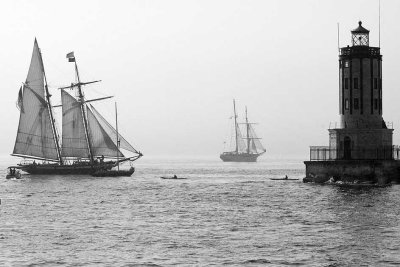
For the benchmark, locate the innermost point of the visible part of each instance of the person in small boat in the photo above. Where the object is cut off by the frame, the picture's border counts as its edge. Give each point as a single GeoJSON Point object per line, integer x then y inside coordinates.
{"type": "Point", "coordinates": [175, 177]}
{"type": "Point", "coordinates": [286, 177]}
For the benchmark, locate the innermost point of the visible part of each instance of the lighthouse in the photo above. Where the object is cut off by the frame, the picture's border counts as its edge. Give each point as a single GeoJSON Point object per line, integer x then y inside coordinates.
{"type": "Point", "coordinates": [361, 147]}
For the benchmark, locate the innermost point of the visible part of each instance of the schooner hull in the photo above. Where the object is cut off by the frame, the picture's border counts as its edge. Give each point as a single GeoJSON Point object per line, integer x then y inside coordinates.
{"type": "Point", "coordinates": [242, 157]}
{"type": "Point", "coordinates": [56, 169]}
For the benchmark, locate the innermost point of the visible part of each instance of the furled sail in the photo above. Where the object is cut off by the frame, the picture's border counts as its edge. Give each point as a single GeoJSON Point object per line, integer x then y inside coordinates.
{"type": "Point", "coordinates": [112, 132]}
{"type": "Point", "coordinates": [74, 143]}
{"type": "Point", "coordinates": [35, 135]}
{"type": "Point", "coordinates": [101, 142]}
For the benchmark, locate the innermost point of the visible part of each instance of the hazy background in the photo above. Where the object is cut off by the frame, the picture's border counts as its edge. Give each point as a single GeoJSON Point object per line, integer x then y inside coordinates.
{"type": "Point", "coordinates": [175, 66]}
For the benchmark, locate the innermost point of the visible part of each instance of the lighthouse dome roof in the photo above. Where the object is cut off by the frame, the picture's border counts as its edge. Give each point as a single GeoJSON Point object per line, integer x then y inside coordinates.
{"type": "Point", "coordinates": [360, 29]}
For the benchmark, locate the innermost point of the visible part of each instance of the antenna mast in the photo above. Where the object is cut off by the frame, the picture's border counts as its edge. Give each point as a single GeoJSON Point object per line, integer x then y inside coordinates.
{"type": "Point", "coordinates": [247, 130]}
{"type": "Point", "coordinates": [338, 44]}
{"type": "Point", "coordinates": [236, 130]}
{"type": "Point", "coordinates": [379, 23]}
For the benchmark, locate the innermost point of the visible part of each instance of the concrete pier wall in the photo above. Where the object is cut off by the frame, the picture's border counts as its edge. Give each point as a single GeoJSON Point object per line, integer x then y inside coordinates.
{"type": "Point", "coordinates": [381, 171]}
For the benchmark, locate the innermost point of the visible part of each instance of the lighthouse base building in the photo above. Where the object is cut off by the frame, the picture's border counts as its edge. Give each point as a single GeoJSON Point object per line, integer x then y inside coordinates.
{"type": "Point", "coordinates": [361, 148]}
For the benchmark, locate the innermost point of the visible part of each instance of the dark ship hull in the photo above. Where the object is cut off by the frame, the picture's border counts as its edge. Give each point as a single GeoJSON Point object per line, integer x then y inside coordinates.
{"type": "Point", "coordinates": [239, 157]}
{"type": "Point", "coordinates": [57, 169]}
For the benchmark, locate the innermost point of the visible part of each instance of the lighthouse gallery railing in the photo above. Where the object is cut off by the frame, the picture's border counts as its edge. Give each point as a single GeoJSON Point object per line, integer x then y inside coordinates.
{"type": "Point", "coordinates": [325, 153]}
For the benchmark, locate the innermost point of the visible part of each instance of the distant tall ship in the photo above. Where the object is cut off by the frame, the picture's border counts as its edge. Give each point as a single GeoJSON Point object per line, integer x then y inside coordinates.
{"type": "Point", "coordinates": [88, 142]}
{"type": "Point", "coordinates": [247, 148]}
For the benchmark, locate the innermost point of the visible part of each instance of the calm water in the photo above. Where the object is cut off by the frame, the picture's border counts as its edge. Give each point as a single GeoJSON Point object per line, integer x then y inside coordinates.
{"type": "Point", "coordinates": [224, 214]}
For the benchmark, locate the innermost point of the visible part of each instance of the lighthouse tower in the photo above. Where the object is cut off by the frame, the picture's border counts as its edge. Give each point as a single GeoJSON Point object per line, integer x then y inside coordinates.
{"type": "Point", "coordinates": [361, 147]}
{"type": "Point", "coordinates": [363, 133]}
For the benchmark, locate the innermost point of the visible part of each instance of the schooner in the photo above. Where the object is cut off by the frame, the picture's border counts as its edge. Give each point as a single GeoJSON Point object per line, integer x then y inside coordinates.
{"type": "Point", "coordinates": [88, 142]}
{"type": "Point", "coordinates": [246, 148]}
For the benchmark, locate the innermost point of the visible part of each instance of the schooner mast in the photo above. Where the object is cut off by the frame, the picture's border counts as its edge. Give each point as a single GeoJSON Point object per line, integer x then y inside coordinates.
{"type": "Point", "coordinates": [71, 58]}
{"type": "Point", "coordinates": [48, 95]}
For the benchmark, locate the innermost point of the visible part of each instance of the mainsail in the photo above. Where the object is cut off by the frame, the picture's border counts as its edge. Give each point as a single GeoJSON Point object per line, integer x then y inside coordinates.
{"type": "Point", "coordinates": [74, 142]}
{"type": "Point", "coordinates": [35, 136]}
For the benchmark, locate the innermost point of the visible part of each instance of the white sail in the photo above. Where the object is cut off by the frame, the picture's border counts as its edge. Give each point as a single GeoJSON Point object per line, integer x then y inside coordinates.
{"type": "Point", "coordinates": [101, 143]}
{"type": "Point", "coordinates": [240, 141]}
{"type": "Point", "coordinates": [74, 143]}
{"type": "Point", "coordinates": [255, 143]}
{"type": "Point", "coordinates": [112, 132]}
{"type": "Point", "coordinates": [35, 136]}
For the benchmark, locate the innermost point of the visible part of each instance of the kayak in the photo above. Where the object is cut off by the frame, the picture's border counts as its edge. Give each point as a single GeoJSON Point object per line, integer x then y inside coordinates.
{"type": "Point", "coordinates": [283, 179]}
{"type": "Point", "coordinates": [172, 178]}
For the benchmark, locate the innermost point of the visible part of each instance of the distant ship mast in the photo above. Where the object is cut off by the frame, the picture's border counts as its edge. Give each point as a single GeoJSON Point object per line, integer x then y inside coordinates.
{"type": "Point", "coordinates": [236, 127]}
{"type": "Point", "coordinates": [116, 128]}
{"type": "Point", "coordinates": [247, 133]}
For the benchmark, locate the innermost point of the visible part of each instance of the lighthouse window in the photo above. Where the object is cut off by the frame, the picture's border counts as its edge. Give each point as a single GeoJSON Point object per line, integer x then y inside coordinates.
{"type": "Point", "coordinates": [355, 83]}
{"type": "Point", "coordinates": [376, 83]}
{"type": "Point", "coordinates": [346, 83]}
{"type": "Point", "coordinates": [346, 104]}
{"type": "Point", "coordinates": [356, 103]}
{"type": "Point", "coordinates": [375, 103]}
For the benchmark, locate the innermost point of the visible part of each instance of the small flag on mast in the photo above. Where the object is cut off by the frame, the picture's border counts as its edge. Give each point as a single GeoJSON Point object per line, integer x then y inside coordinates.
{"type": "Point", "coordinates": [71, 57]}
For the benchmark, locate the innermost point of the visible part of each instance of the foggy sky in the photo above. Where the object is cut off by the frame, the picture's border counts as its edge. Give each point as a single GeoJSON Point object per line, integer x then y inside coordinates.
{"type": "Point", "coordinates": [175, 66]}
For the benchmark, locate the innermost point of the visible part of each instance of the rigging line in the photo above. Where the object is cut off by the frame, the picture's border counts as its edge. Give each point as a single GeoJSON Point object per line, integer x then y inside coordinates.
{"type": "Point", "coordinates": [39, 97]}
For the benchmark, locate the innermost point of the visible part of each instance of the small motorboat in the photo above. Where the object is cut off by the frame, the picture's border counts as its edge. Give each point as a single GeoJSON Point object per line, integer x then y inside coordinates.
{"type": "Point", "coordinates": [113, 173]}
{"type": "Point", "coordinates": [13, 172]}
{"type": "Point", "coordinates": [172, 177]}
